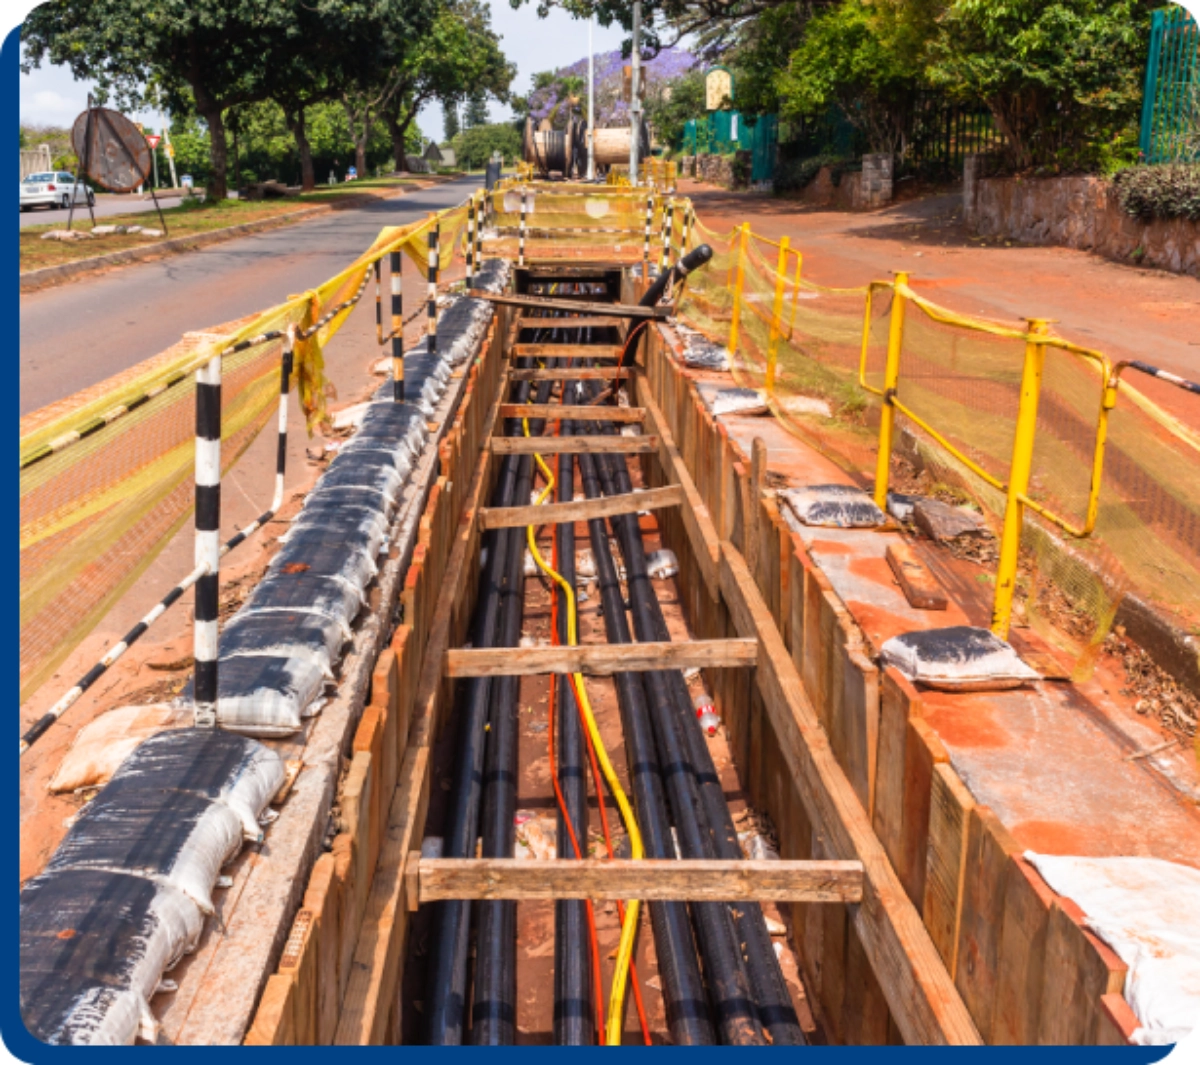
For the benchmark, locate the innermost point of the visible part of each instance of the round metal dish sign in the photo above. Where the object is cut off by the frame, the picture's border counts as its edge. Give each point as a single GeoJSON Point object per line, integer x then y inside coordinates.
{"type": "Point", "coordinates": [111, 150]}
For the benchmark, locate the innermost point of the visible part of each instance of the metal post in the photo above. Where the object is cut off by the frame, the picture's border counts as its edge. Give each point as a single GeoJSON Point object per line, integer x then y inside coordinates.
{"type": "Point", "coordinates": [485, 196]}
{"type": "Point", "coordinates": [377, 267]}
{"type": "Point", "coordinates": [1018, 478]}
{"type": "Point", "coordinates": [635, 107]}
{"type": "Point", "coordinates": [646, 236]}
{"type": "Point", "coordinates": [521, 241]}
{"type": "Point", "coordinates": [470, 241]}
{"type": "Point", "coordinates": [285, 379]}
{"type": "Point", "coordinates": [208, 539]}
{"type": "Point", "coordinates": [591, 129]}
{"type": "Point", "coordinates": [687, 228]}
{"type": "Point", "coordinates": [738, 285]}
{"type": "Point", "coordinates": [667, 232]}
{"type": "Point", "coordinates": [395, 262]}
{"type": "Point", "coordinates": [776, 315]}
{"type": "Point", "coordinates": [891, 375]}
{"type": "Point", "coordinates": [431, 299]}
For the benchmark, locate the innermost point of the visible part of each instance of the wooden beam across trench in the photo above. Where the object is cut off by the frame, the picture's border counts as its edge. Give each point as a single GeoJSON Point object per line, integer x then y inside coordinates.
{"type": "Point", "coordinates": [547, 303]}
{"type": "Point", "coordinates": [601, 660]}
{"type": "Point", "coordinates": [581, 509]}
{"type": "Point", "coordinates": [684, 880]}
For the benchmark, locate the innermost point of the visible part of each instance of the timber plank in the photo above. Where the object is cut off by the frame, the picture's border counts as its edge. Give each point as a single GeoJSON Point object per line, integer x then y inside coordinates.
{"type": "Point", "coordinates": [920, 993]}
{"type": "Point", "coordinates": [611, 310]}
{"type": "Point", "coordinates": [919, 586]}
{"type": "Point", "coordinates": [582, 373]}
{"type": "Point", "coordinates": [1016, 1014]}
{"type": "Point", "coordinates": [601, 660]}
{"type": "Point", "coordinates": [561, 411]}
{"type": "Point", "coordinates": [949, 813]}
{"type": "Point", "coordinates": [566, 351]}
{"type": "Point", "coordinates": [592, 321]}
{"type": "Point", "coordinates": [573, 445]}
{"type": "Point", "coordinates": [581, 509]}
{"type": "Point", "coordinates": [663, 880]}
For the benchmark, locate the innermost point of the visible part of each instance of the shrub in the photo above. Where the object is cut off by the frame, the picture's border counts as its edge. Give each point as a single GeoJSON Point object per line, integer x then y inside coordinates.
{"type": "Point", "coordinates": [1165, 190]}
{"type": "Point", "coordinates": [799, 173]}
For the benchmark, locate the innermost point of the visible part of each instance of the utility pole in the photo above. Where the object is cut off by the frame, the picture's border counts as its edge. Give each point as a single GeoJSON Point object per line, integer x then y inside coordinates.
{"type": "Point", "coordinates": [635, 95]}
{"type": "Point", "coordinates": [591, 129]}
{"type": "Point", "coordinates": [169, 150]}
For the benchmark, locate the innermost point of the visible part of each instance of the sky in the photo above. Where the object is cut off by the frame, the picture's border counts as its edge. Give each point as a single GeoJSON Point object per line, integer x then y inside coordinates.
{"type": "Point", "coordinates": [51, 96]}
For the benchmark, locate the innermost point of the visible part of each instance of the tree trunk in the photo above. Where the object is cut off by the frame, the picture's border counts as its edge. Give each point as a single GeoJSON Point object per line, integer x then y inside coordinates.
{"type": "Point", "coordinates": [399, 133]}
{"type": "Point", "coordinates": [297, 125]}
{"type": "Point", "coordinates": [360, 156]}
{"type": "Point", "coordinates": [218, 152]}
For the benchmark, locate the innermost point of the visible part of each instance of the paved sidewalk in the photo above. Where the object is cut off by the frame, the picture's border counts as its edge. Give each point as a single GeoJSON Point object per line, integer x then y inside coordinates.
{"type": "Point", "coordinates": [1125, 311]}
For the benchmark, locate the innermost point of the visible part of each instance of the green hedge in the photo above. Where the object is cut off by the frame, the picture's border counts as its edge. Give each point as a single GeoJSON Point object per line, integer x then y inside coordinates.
{"type": "Point", "coordinates": [1166, 190]}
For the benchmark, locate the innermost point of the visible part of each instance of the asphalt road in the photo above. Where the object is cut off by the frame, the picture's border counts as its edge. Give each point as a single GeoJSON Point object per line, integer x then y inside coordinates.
{"type": "Point", "coordinates": [79, 333]}
{"type": "Point", "coordinates": [106, 206]}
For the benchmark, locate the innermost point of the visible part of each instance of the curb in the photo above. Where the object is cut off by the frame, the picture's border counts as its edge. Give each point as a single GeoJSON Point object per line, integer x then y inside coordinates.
{"type": "Point", "coordinates": [47, 276]}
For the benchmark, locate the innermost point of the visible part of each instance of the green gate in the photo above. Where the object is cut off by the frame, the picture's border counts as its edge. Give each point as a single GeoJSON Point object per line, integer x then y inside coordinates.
{"type": "Point", "coordinates": [1171, 105]}
{"type": "Point", "coordinates": [721, 132]}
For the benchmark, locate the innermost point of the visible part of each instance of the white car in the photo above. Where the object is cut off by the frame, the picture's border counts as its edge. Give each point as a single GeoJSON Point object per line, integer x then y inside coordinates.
{"type": "Point", "coordinates": [53, 190]}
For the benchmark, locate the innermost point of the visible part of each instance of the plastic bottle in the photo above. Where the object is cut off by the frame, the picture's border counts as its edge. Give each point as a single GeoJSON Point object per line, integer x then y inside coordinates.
{"type": "Point", "coordinates": [706, 714]}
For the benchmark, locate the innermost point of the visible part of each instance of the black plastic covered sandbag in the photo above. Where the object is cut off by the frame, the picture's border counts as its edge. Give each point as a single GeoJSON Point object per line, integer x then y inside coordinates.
{"type": "Point", "coordinates": [265, 695]}
{"type": "Point", "coordinates": [93, 947]}
{"type": "Point", "coordinates": [306, 593]}
{"type": "Point", "coordinates": [839, 506]}
{"type": "Point", "coordinates": [382, 479]}
{"type": "Point", "coordinates": [363, 453]}
{"type": "Point", "coordinates": [317, 639]}
{"type": "Point", "coordinates": [355, 519]}
{"type": "Point", "coordinates": [957, 658]}
{"type": "Point", "coordinates": [174, 836]}
{"type": "Point", "coordinates": [326, 554]}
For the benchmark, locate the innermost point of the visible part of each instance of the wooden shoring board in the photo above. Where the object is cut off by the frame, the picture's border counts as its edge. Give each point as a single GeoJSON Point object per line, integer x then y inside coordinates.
{"type": "Point", "coordinates": [566, 351]}
{"type": "Point", "coordinates": [601, 660]}
{"type": "Point", "coordinates": [383, 934]}
{"type": "Point", "coordinates": [696, 519]}
{"type": "Point", "coordinates": [574, 445]}
{"type": "Point", "coordinates": [583, 306]}
{"type": "Point", "coordinates": [579, 373]}
{"type": "Point", "coordinates": [580, 509]}
{"type": "Point", "coordinates": [685, 880]}
{"type": "Point", "coordinates": [570, 412]}
{"type": "Point", "coordinates": [587, 321]}
{"type": "Point", "coordinates": [920, 993]}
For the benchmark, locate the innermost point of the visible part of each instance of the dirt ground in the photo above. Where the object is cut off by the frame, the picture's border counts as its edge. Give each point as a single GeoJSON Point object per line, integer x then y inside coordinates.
{"type": "Point", "coordinates": [1129, 312]}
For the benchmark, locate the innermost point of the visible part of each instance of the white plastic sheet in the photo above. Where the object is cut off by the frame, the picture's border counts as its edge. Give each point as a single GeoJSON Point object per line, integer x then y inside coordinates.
{"type": "Point", "coordinates": [1148, 911]}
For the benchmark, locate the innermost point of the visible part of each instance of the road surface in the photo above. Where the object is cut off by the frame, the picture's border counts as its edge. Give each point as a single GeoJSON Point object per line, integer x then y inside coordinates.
{"type": "Point", "coordinates": [106, 207]}
{"type": "Point", "coordinates": [77, 334]}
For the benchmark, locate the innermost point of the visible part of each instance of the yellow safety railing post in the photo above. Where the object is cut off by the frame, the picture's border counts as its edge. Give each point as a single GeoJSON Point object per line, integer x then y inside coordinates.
{"type": "Point", "coordinates": [776, 315]}
{"type": "Point", "coordinates": [891, 375]}
{"type": "Point", "coordinates": [1018, 478]}
{"type": "Point", "coordinates": [739, 283]}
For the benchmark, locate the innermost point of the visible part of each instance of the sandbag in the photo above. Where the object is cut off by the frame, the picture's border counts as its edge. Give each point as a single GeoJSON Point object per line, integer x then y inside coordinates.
{"type": "Point", "coordinates": [838, 506]}
{"type": "Point", "coordinates": [176, 837]}
{"type": "Point", "coordinates": [337, 496]}
{"type": "Point", "coordinates": [738, 401]}
{"type": "Point", "coordinates": [361, 518]}
{"type": "Point", "coordinates": [284, 634]}
{"type": "Point", "coordinates": [383, 480]}
{"type": "Point", "coordinates": [104, 743]}
{"type": "Point", "coordinates": [325, 553]}
{"type": "Point", "coordinates": [93, 947]}
{"type": "Point", "coordinates": [266, 695]}
{"type": "Point", "coordinates": [957, 658]}
{"type": "Point", "coordinates": [306, 593]}
{"type": "Point", "coordinates": [237, 772]}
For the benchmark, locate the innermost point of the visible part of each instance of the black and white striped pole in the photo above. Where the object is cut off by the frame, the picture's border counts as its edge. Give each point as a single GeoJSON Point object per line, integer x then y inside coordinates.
{"type": "Point", "coordinates": [208, 539]}
{"type": "Point", "coordinates": [377, 266]}
{"type": "Point", "coordinates": [646, 235]}
{"type": "Point", "coordinates": [470, 242]}
{"type": "Point", "coordinates": [687, 227]}
{"type": "Point", "coordinates": [480, 222]}
{"type": "Point", "coordinates": [431, 298]}
{"type": "Point", "coordinates": [397, 330]}
{"type": "Point", "coordinates": [43, 723]}
{"type": "Point", "coordinates": [667, 231]}
{"type": "Point", "coordinates": [521, 241]}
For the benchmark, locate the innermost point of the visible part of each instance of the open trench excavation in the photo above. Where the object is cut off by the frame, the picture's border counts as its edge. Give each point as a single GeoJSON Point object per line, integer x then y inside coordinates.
{"type": "Point", "coordinates": [518, 771]}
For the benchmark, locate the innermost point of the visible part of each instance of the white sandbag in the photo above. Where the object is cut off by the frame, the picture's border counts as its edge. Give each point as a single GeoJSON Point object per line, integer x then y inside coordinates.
{"type": "Point", "coordinates": [838, 506]}
{"type": "Point", "coordinates": [738, 401]}
{"type": "Point", "coordinates": [103, 744]}
{"type": "Point", "coordinates": [957, 658]}
{"type": "Point", "coordinates": [662, 564]}
{"type": "Point", "coordinates": [1148, 911]}
{"type": "Point", "coordinates": [263, 696]}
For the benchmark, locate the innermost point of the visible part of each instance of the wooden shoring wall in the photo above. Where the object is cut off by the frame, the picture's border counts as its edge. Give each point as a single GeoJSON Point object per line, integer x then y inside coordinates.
{"type": "Point", "coordinates": [337, 980]}
{"type": "Point", "coordinates": [1021, 961]}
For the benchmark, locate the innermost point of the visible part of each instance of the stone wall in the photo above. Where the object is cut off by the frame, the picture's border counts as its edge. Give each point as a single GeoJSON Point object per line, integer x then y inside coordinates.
{"type": "Point", "coordinates": [713, 169]}
{"type": "Point", "coordinates": [875, 189]}
{"type": "Point", "coordinates": [1076, 212]}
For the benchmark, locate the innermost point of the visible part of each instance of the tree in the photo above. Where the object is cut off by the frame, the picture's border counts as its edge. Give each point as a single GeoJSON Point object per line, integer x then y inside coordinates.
{"type": "Point", "coordinates": [671, 105]}
{"type": "Point", "coordinates": [477, 110]}
{"type": "Point", "coordinates": [474, 147]}
{"type": "Point", "coordinates": [459, 55]}
{"type": "Point", "coordinates": [450, 124]}
{"type": "Point", "coordinates": [1061, 79]}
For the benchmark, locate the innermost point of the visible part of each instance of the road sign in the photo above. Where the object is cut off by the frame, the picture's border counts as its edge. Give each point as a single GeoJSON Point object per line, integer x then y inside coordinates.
{"type": "Point", "coordinates": [170, 150]}
{"type": "Point", "coordinates": [152, 139]}
{"type": "Point", "coordinates": [718, 89]}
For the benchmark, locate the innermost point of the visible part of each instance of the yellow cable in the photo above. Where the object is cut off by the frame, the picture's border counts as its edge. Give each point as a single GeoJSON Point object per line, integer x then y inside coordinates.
{"type": "Point", "coordinates": [616, 1002]}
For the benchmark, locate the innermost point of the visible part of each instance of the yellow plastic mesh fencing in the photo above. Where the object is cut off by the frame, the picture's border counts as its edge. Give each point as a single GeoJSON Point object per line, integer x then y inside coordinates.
{"type": "Point", "coordinates": [802, 343]}
{"type": "Point", "coordinates": [107, 474]}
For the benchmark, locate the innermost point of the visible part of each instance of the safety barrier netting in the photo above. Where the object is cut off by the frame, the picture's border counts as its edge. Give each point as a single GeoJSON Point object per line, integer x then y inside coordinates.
{"type": "Point", "coordinates": [819, 354]}
{"type": "Point", "coordinates": [107, 475]}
